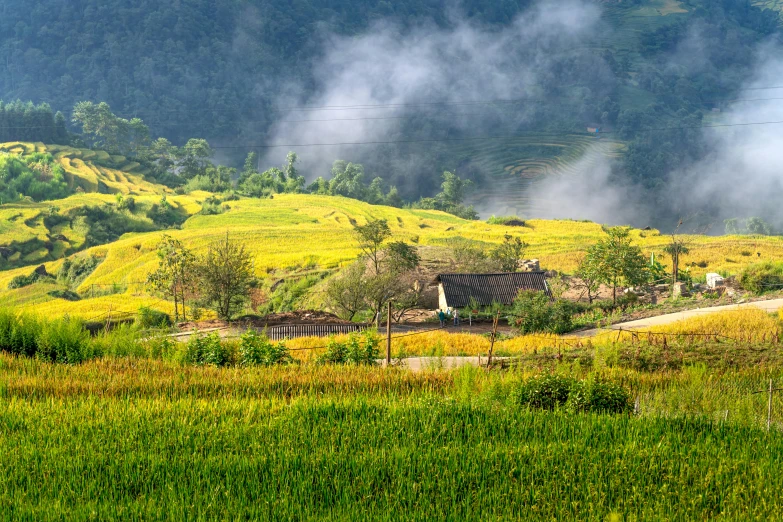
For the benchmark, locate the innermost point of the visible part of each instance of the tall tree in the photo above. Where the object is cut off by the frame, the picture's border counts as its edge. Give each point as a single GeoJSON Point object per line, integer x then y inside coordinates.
{"type": "Point", "coordinates": [226, 276]}
{"type": "Point", "coordinates": [175, 275]}
{"type": "Point", "coordinates": [616, 261]}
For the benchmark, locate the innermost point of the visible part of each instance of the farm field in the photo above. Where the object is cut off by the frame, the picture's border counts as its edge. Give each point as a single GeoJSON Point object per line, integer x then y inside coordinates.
{"type": "Point", "coordinates": [354, 443]}
{"type": "Point", "coordinates": [276, 229]}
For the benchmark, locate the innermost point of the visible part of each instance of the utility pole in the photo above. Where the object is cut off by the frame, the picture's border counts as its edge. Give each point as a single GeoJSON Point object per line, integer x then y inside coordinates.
{"type": "Point", "coordinates": [388, 334]}
{"type": "Point", "coordinates": [492, 339]}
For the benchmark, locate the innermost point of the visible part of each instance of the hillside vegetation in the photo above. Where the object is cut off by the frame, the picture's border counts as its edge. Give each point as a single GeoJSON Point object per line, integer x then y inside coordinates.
{"type": "Point", "coordinates": [295, 235]}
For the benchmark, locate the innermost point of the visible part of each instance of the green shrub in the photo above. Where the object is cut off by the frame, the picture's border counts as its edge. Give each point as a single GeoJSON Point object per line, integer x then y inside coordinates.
{"type": "Point", "coordinates": [65, 341]}
{"type": "Point", "coordinates": [546, 391]}
{"type": "Point", "coordinates": [550, 391]}
{"type": "Point", "coordinates": [535, 312]}
{"type": "Point", "coordinates": [21, 281]}
{"type": "Point", "coordinates": [598, 396]}
{"type": "Point", "coordinates": [149, 318]}
{"type": "Point", "coordinates": [358, 349]}
{"type": "Point", "coordinates": [19, 333]}
{"type": "Point", "coordinates": [762, 277]}
{"type": "Point", "coordinates": [258, 350]}
{"type": "Point", "coordinates": [207, 349]}
{"type": "Point", "coordinates": [74, 271]}
{"type": "Point", "coordinates": [122, 341]}
{"type": "Point", "coordinates": [68, 295]}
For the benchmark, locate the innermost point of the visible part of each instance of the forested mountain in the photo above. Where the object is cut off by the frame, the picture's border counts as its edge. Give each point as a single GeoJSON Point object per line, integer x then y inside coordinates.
{"type": "Point", "coordinates": [231, 72]}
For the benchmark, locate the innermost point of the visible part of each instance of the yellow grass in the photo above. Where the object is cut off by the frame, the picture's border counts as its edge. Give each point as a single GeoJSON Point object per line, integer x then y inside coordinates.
{"type": "Point", "coordinates": [291, 231]}
{"type": "Point", "coordinates": [742, 325]}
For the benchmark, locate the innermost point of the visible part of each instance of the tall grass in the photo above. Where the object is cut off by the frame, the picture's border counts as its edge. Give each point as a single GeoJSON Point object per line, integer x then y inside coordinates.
{"type": "Point", "coordinates": [140, 439]}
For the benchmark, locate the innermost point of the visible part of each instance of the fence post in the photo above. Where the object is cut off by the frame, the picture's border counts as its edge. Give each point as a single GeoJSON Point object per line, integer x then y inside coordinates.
{"type": "Point", "coordinates": [388, 335]}
{"type": "Point", "coordinates": [769, 406]}
{"type": "Point", "coordinates": [492, 339]}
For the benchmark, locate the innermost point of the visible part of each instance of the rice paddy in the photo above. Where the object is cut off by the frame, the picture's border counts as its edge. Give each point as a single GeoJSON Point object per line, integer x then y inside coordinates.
{"type": "Point", "coordinates": [275, 229]}
{"type": "Point", "coordinates": [141, 439]}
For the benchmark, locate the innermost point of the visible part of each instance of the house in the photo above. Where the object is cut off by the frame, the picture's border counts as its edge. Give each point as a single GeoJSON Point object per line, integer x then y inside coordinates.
{"type": "Point", "coordinates": [456, 290]}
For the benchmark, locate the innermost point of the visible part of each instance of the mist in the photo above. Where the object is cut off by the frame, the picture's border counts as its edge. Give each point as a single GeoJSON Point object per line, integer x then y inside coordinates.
{"type": "Point", "coordinates": [429, 82]}
{"type": "Point", "coordinates": [741, 175]}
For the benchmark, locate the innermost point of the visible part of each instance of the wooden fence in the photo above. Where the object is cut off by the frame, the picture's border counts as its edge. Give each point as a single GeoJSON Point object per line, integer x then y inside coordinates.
{"type": "Point", "coordinates": [292, 331]}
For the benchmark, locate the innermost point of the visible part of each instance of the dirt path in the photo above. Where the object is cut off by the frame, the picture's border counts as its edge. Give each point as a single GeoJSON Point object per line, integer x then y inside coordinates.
{"type": "Point", "coordinates": [768, 306]}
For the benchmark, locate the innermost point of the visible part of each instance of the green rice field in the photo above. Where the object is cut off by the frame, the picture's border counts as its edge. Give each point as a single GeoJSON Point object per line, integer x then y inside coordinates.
{"type": "Point", "coordinates": [138, 439]}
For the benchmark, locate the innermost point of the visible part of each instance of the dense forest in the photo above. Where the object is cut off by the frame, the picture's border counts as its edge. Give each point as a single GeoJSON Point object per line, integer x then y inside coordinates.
{"type": "Point", "coordinates": [217, 70]}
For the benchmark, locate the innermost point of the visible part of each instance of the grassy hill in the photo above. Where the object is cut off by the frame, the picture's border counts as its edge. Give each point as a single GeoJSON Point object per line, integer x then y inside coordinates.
{"type": "Point", "coordinates": [295, 235]}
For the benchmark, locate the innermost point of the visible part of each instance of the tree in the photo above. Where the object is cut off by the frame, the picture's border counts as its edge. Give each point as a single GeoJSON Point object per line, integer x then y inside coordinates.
{"type": "Point", "coordinates": [226, 276]}
{"type": "Point", "coordinates": [615, 261]}
{"type": "Point", "coordinates": [472, 257]}
{"type": "Point", "coordinates": [346, 292]}
{"type": "Point", "coordinates": [588, 278]}
{"type": "Point", "coordinates": [194, 158]}
{"type": "Point", "coordinates": [509, 253]}
{"type": "Point", "coordinates": [371, 238]}
{"type": "Point", "coordinates": [676, 248]}
{"type": "Point", "coordinates": [453, 189]}
{"type": "Point", "coordinates": [347, 180]}
{"type": "Point", "coordinates": [174, 277]}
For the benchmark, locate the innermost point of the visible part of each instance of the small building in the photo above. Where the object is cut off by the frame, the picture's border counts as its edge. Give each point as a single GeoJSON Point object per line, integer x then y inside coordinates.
{"type": "Point", "coordinates": [456, 290]}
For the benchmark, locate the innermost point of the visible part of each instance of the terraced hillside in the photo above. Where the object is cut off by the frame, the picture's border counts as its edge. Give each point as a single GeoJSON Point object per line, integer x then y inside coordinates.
{"type": "Point", "coordinates": [517, 172]}
{"type": "Point", "coordinates": [93, 171]}
{"type": "Point", "coordinates": [298, 234]}
{"type": "Point", "coordinates": [111, 197]}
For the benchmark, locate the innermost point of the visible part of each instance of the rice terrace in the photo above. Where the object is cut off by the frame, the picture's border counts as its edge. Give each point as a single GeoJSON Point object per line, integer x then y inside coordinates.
{"type": "Point", "coordinates": [415, 260]}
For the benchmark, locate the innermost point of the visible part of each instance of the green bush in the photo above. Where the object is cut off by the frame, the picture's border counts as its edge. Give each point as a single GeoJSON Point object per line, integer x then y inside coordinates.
{"type": "Point", "coordinates": [550, 391]}
{"type": "Point", "coordinates": [534, 312]}
{"type": "Point", "coordinates": [65, 341]}
{"type": "Point", "coordinates": [149, 318]}
{"type": "Point", "coordinates": [545, 391]}
{"type": "Point", "coordinates": [74, 271]}
{"type": "Point", "coordinates": [762, 277]}
{"type": "Point", "coordinates": [122, 341]}
{"type": "Point", "coordinates": [207, 349]}
{"type": "Point", "coordinates": [358, 349]}
{"type": "Point", "coordinates": [598, 396]}
{"type": "Point", "coordinates": [258, 350]}
{"type": "Point", "coordinates": [19, 333]}
{"type": "Point", "coordinates": [21, 281]}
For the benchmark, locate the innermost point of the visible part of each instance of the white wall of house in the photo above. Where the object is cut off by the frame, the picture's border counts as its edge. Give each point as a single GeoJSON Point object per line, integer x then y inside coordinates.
{"type": "Point", "coordinates": [442, 304]}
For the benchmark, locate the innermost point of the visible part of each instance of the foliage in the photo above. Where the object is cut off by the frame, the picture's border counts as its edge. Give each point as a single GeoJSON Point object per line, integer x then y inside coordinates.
{"type": "Point", "coordinates": [358, 349]}
{"type": "Point", "coordinates": [258, 350]}
{"type": "Point", "coordinates": [534, 312]}
{"type": "Point", "coordinates": [598, 395]}
{"type": "Point", "coordinates": [345, 293]}
{"type": "Point", "coordinates": [615, 261]}
{"type": "Point", "coordinates": [176, 274]}
{"type": "Point", "coordinates": [22, 281]}
{"type": "Point", "coordinates": [762, 277]}
{"type": "Point", "coordinates": [105, 130]}
{"type": "Point", "coordinates": [206, 349]}
{"type": "Point", "coordinates": [508, 254]}
{"type": "Point", "coordinates": [453, 190]}
{"type": "Point", "coordinates": [74, 271]}
{"type": "Point", "coordinates": [28, 122]}
{"type": "Point", "coordinates": [752, 225]}
{"type": "Point", "coordinates": [546, 391]}
{"type": "Point", "coordinates": [36, 176]}
{"type": "Point", "coordinates": [148, 318]}
{"type": "Point", "coordinates": [225, 276]}
{"type": "Point", "coordinates": [63, 341]}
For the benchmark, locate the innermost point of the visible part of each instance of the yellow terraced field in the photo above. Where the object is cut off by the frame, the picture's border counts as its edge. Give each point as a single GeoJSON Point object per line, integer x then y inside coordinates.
{"type": "Point", "coordinates": [124, 177]}
{"type": "Point", "coordinates": [291, 231]}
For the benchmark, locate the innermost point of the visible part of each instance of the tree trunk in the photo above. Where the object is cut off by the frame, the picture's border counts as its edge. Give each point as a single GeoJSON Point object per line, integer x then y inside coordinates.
{"type": "Point", "coordinates": [614, 292]}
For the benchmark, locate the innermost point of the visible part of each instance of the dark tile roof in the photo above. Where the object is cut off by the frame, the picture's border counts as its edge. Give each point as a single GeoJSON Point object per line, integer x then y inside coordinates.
{"type": "Point", "coordinates": [490, 288]}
